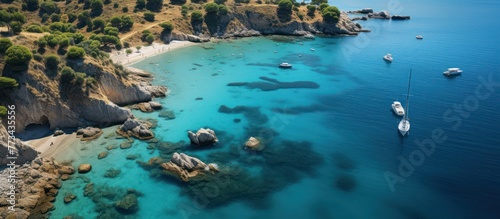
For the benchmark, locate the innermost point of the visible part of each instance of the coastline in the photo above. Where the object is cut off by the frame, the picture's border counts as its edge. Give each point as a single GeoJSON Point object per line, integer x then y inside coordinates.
{"type": "Point", "coordinates": [120, 57]}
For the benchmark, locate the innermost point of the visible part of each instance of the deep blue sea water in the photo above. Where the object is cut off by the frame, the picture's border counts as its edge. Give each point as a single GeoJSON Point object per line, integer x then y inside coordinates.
{"type": "Point", "coordinates": [347, 122]}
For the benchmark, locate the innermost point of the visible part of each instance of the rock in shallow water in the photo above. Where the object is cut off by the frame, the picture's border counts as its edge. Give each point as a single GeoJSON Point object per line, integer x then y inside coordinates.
{"type": "Point", "coordinates": [84, 168]}
{"type": "Point", "coordinates": [185, 167]}
{"type": "Point", "coordinates": [89, 133]}
{"type": "Point", "coordinates": [68, 197]}
{"type": "Point", "coordinates": [102, 155]}
{"type": "Point", "coordinates": [203, 137]}
{"type": "Point", "coordinates": [135, 128]}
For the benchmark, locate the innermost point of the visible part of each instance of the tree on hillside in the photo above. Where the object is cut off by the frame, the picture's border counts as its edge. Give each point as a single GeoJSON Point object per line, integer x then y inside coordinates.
{"type": "Point", "coordinates": [75, 52]}
{"type": "Point", "coordinates": [223, 10]}
{"type": "Point", "coordinates": [18, 55]}
{"type": "Point", "coordinates": [196, 16]}
{"type": "Point", "coordinates": [211, 8]}
{"type": "Point", "coordinates": [6, 82]}
{"type": "Point", "coordinates": [16, 27]}
{"type": "Point", "coordinates": [285, 10]}
{"type": "Point", "coordinates": [52, 61]}
{"type": "Point", "coordinates": [96, 7]}
{"type": "Point", "coordinates": [318, 2]}
{"type": "Point", "coordinates": [167, 27]}
{"type": "Point", "coordinates": [150, 39]}
{"type": "Point", "coordinates": [178, 2]}
{"type": "Point", "coordinates": [5, 17]}
{"type": "Point", "coordinates": [331, 14]}
{"type": "Point", "coordinates": [99, 24]}
{"type": "Point", "coordinates": [48, 7]}
{"type": "Point", "coordinates": [149, 16]}
{"type": "Point", "coordinates": [31, 5]}
{"type": "Point", "coordinates": [140, 4]}
{"type": "Point", "coordinates": [220, 1]}
{"type": "Point", "coordinates": [154, 5]}
{"type": "Point", "coordinates": [5, 43]}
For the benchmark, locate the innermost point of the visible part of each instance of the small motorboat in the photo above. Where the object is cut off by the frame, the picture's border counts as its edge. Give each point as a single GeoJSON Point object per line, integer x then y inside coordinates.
{"type": "Point", "coordinates": [388, 57]}
{"type": "Point", "coordinates": [419, 37]}
{"type": "Point", "coordinates": [452, 71]}
{"type": "Point", "coordinates": [398, 108]}
{"type": "Point", "coordinates": [312, 49]}
{"type": "Point", "coordinates": [285, 65]}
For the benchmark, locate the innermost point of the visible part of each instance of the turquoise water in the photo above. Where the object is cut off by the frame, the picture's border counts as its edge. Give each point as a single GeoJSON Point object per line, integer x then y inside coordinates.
{"type": "Point", "coordinates": [341, 137]}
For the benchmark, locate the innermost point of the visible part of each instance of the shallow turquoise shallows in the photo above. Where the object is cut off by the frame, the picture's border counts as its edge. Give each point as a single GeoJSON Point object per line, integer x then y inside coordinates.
{"type": "Point", "coordinates": [333, 148]}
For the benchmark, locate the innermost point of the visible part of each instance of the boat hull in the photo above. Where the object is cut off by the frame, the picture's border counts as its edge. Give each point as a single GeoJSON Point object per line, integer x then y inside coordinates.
{"type": "Point", "coordinates": [397, 108]}
{"type": "Point", "coordinates": [404, 127]}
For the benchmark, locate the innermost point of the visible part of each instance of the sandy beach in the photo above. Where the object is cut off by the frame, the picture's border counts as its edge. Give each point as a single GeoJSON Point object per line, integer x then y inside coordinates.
{"type": "Point", "coordinates": [51, 146]}
{"type": "Point", "coordinates": [121, 57]}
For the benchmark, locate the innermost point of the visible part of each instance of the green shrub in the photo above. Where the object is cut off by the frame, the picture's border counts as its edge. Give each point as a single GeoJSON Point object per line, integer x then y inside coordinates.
{"type": "Point", "coordinates": [16, 27]}
{"type": "Point", "coordinates": [34, 29]}
{"type": "Point", "coordinates": [80, 77]}
{"type": "Point", "coordinates": [128, 51]}
{"type": "Point", "coordinates": [167, 27]}
{"type": "Point", "coordinates": [310, 10]}
{"type": "Point", "coordinates": [150, 39]}
{"type": "Point", "coordinates": [285, 5]}
{"type": "Point", "coordinates": [76, 52]}
{"type": "Point", "coordinates": [211, 8]}
{"type": "Point", "coordinates": [177, 2]}
{"type": "Point", "coordinates": [3, 111]}
{"type": "Point", "coordinates": [330, 14]}
{"type": "Point", "coordinates": [126, 44]}
{"type": "Point", "coordinates": [220, 1]}
{"type": "Point", "coordinates": [318, 2]}
{"type": "Point", "coordinates": [196, 16]}
{"type": "Point", "coordinates": [140, 4]}
{"type": "Point", "coordinates": [55, 17]}
{"type": "Point", "coordinates": [96, 7]}
{"type": "Point", "coordinates": [223, 10]}
{"type": "Point", "coordinates": [6, 82]}
{"type": "Point", "coordinates": [17, 55]}
{"type": "Point", "coordinates": [116, 5]}
{"type": "Point", "coordinates": [154, 5]}
{"type": "Point", "coordinates": [48, 7]}
{"type": "Point", "coordinates": [323, 6]}
{"type": "Point", "coordinates": [67, 75]}
{"type": "Point", "coordinates": [38, 57]}
{"type": "Point", "coordinates": [149, 16]}
{"type": "Point", "coordinates": [52, 61]}
{"type": "Point", "coordinates": [5, 43]}
{"type": "Point", "coordinates": [124, 9]}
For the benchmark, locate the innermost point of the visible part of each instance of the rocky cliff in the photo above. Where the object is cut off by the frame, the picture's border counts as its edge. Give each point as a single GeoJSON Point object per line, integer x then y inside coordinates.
{"type": "Point", "coordinates": [254, 20]}
{"type": "Point", "coordinates": [41, 99]}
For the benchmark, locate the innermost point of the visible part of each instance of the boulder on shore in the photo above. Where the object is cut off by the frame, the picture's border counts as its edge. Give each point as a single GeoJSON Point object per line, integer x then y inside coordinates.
{"type": "Point", "coordinates": [58, 132]}
{"type": "Point", "coordinates": [89, 133]}
{"type": "Point", "coordinates": [203, 137]}
{"type": "Point", "coordinates": [135, 128]}
{"type": "Point", "coordinates": [185, 167]}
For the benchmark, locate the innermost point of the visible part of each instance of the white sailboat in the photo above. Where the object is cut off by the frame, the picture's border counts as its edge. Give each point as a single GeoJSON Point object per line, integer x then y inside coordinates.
{"type": "Point", "coordinates": [404, 124]}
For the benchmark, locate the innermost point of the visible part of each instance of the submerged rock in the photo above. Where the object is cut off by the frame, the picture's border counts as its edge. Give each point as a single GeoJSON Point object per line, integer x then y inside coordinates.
{"type": "Point", "coordinates": [89, 133]}
{"type": "Point", "coordinates": [112, 173]}
{"type": "Point", "coordinates": [345, 182]}
{"type": "Point", "coordinates": [203, 137]}
{"type": "Point", "coordinates": [84, 168]}
{"type": "Point", "coordinates": [68, 197]}
{"type": "Point", "coordinates": [88, 189]}
{"type": "Point", "coordinates": [254, 144]}
{"type": "Point", "coordinates": [135, 128]}
{"type": "Point", "coordinates": [127, 204]}
{"type": "Point", "coordinates": [102, 155]}
{"type": "Point", "coordinates": [168, 114]}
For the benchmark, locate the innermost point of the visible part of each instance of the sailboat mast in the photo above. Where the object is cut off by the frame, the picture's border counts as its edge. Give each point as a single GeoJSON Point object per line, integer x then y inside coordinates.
{"type": "Point", "coordinates": [407, 97]}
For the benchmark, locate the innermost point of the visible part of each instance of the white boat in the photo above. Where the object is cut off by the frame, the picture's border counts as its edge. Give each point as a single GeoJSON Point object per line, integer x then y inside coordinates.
{"type": "Point", "coordinates": [452, 71]}
{"type": "Point", "coordinates": [312, 49]}
{"type": "Point", "coordinates": [419, 37]}
{"type": "Point", "coordinates": [397, 108]}
{"type": "Point", "coordinates": [404, 124]}
{"type": "Point", "coordinates": [285, 65]}
{"type": "Point", "coordinates": [388, 57]}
